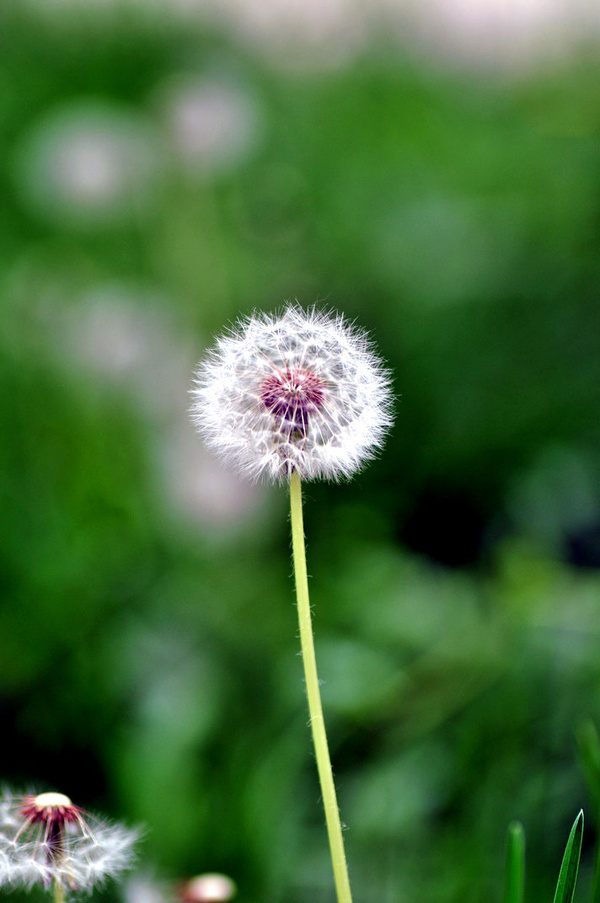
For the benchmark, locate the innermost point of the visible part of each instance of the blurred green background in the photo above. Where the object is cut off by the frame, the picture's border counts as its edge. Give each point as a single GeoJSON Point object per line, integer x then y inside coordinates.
{"type": "Point", "coordinates": [164, 169]}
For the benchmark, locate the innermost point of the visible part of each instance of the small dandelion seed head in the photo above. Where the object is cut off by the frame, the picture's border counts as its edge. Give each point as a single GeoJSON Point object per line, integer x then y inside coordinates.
{"type": "Point", "coordinates": [299, 391]}
{"type": "Point", "coordinates": [46, 839]}
{"type": "Point", "coordinates": [209, 888]}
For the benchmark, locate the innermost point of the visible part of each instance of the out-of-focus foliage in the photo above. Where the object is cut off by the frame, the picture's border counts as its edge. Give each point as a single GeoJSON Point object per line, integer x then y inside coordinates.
{"type": "Point", "coordinates": [156, 181]}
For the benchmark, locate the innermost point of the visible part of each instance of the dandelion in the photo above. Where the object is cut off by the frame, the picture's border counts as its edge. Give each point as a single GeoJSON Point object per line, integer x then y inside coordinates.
{"type": "Point", "coordinates": [213, 124]}
{"type": "Point", "coordinates": [47, 840]}
{"type": "Point", "coordinates": [88, 164]}
{"type": "Point", "coordinates": [209, 888]}
{"type": "Point", "coordinates": [300, 392]}
{"type": "Point", "coordinates": [297, 396]}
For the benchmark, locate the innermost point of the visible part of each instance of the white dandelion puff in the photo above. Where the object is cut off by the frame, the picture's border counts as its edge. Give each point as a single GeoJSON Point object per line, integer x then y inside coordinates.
{"type": "Point", "coordinates": [47, 840]}
{"type": "Point", "coordinates": [300, 391]}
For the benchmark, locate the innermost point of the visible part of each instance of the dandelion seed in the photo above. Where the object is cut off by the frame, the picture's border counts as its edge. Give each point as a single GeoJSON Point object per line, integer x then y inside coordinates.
{"type": "Point", "coordinates": [302, 391]}
{"type": "Point", "coordinates": [46, 839]}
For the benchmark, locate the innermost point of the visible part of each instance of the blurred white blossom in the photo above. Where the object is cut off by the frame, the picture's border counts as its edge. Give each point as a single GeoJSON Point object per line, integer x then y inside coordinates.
{"type": "Point", "coordinates": [123, 335]}
{"type": "Point", "coordinates": [502, 33]}
{"type": "Point", "coordinates": [212, 123]}
{"type": "Point", "coordinates": [88, 163]}
{"type": "Point", "coordinates": [211, 887]}
{"type": "Point", "coordinates": [144, 889]}
{"type": "Point", "coordinates": [494, 33]}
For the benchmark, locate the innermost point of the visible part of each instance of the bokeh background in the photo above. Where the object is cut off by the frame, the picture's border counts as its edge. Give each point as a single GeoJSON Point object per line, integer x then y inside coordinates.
{"type": "Point", "coordinates": [434, 172]}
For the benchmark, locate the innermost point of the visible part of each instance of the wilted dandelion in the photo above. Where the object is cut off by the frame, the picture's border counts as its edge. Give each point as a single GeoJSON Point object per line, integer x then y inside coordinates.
{"type": "Point", "coordinates": [291, 397]}
{"type": "Point", "coordinates": [47, 840]}
{"type": "Point", "coordinates": [300, 392]}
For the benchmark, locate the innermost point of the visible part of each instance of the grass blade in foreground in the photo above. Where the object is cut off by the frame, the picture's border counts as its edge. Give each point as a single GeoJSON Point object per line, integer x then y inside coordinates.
{"type": "Point", "coordinates": [514, 880]}
{"type": "Point", "coordinates": [567, 877]}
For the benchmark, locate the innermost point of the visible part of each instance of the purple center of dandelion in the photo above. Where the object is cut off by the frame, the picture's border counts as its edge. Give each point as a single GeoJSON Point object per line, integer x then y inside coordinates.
{"type": "Point", "coordinates": [293, 395]}
{"type": "Point", "coordinates": [52, 811]}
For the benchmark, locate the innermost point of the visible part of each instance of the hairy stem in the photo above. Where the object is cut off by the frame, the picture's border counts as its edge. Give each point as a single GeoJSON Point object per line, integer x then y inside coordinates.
{"type": "Point", "coordinates": [332, 815]}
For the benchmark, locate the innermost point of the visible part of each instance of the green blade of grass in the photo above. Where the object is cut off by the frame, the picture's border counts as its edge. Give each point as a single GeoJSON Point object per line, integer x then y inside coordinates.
{"type": "Point", "coordinates": [567, 877]}
{"type": "Point", "coordinates": [514, 877]}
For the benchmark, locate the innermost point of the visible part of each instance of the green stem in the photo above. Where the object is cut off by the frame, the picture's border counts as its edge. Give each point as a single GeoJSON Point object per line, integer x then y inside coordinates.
{"type": "Point", "coordinates": [332, 815]}
{"type": "Point", "coordinates": [59, 892]}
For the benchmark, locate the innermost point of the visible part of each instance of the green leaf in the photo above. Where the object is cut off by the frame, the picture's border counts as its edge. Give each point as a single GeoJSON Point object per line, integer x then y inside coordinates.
{"type": "Point", "coordinates": [514, 878]}
{"type": "Point", "coordinates": [567, 877]}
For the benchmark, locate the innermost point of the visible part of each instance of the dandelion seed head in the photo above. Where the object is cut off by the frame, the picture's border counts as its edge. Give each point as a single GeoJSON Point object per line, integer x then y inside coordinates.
{"type": "Point", "coordinates": [209, 888]}
{"type": "Point", "coordinates": [299, 391]}
{"type": "Point", "coordinates": [46, 839]}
